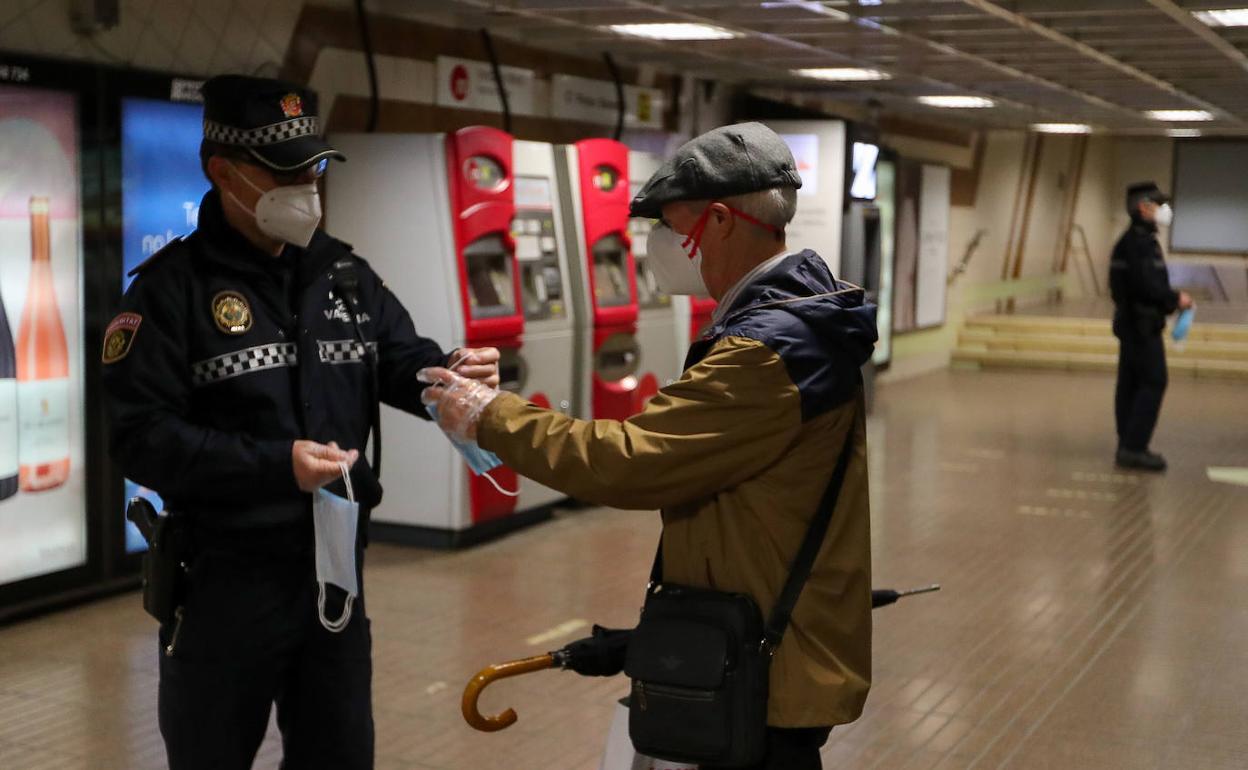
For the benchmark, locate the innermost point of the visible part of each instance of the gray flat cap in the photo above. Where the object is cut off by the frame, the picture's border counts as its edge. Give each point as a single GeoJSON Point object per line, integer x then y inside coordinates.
{"type": "Point", "coordinates": [729, 160]}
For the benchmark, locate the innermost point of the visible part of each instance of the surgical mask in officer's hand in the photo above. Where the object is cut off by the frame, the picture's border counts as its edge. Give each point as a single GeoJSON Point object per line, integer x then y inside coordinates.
{"type": "Point", "coordinates": [676, 270]}
{"type": "Point", "coordinates": [335, 521]}
{"type": "Point", "coordinates": [1183, 325]}
{"type": "Point", "coordinates": [1164, 215]}
{"type": "Point", "coordinates": [288, 213]}
{"type": "Point", "coordinates": [480, 461]}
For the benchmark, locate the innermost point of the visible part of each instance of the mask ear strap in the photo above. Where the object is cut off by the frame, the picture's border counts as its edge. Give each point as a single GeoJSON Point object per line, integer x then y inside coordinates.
{"type": "Point", "coordinates": [346, 481]}
{"type": "Point", "coordinates": [334, 626]}
{"type": "Point", "coordinates": [753, 220]}
{"type": "Point", "coordinates": [695, 234]}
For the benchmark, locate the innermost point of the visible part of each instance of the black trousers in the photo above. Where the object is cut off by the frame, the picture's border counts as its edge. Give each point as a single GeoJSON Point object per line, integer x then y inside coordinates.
{"type": "Point", "coordinates": [250, 637]}
{"type": "Point", "coordinates": [791, 748]}
{"type": "Point", "coordinates": [1142, 383]}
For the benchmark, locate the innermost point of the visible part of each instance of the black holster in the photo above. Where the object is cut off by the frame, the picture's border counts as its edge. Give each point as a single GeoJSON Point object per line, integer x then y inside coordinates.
{"type": "Point", "coordinates": [165, 567]}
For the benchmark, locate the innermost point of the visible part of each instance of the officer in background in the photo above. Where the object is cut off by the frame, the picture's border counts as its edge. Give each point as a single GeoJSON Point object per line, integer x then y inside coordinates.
{"type": "Point", "coordinates": [1143, 298]}
{"type": "Point", "coordinates": [243, 376]}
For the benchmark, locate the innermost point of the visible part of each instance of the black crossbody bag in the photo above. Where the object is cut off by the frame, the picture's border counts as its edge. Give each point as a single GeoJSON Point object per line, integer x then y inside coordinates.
{"type": "Point", "coordinates": [700, 659]}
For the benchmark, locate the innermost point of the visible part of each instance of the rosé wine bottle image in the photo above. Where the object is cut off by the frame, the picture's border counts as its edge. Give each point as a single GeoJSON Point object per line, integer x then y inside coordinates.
{"type": "Point", "coordinates": [42, 368]}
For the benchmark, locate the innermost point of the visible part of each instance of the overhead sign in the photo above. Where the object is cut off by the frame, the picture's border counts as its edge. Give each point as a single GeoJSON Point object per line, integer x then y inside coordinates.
{"type": "Point", "coordinates": [596, 101]}
{"type": "Point", "coordinates": [469, 85]}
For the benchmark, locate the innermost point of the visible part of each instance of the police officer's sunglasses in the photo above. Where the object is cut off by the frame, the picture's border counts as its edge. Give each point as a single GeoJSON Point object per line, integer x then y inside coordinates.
{"type": "Point", "coordinates": [301, 176]}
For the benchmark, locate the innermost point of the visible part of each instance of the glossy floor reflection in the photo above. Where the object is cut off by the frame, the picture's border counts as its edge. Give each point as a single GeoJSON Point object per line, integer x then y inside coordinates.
{"type": "Point", "coordinates": [1089, 618]}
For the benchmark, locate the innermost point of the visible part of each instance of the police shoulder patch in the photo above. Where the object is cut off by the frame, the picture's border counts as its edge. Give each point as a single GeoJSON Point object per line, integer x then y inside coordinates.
{"type": "Point", "coordinates": [231, 312]}
{"type": "Point", "coordinates": [119, 336]}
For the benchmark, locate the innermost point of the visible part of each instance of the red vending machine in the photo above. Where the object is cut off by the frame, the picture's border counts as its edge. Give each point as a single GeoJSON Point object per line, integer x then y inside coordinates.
{"type": "Point", "coordinates": [594, 191]}
{"type": "Point", "coordinates": [433, 214]}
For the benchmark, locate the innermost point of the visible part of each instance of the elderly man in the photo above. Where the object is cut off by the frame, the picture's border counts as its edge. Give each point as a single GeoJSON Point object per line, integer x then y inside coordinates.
{"type": "Point", "coordinates": [738, 452]}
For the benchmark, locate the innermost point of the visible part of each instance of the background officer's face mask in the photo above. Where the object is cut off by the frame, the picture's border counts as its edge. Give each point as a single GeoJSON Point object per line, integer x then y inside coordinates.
{"type": "Point", "coordinates": [289, 213]}
{"type": "Point", "coordinates": [335, 521]}
{"type": "Point", "coordinates": [1164, 215]}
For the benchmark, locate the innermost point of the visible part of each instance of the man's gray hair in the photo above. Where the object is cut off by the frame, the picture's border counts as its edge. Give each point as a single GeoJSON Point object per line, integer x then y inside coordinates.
{"type": "Point", "coordinates": [776, 206]}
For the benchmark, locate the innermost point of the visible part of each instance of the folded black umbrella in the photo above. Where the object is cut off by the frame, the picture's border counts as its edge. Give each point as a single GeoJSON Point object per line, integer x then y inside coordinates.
{"type": "Point", "coordinates": [601, 654]}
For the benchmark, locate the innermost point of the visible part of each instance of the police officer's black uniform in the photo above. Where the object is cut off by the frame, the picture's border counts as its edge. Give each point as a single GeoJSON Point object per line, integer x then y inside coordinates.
{"type": "Point", "coordinates": [222, 357]}
{"type": "Point", "coordinates": [1140, 286]}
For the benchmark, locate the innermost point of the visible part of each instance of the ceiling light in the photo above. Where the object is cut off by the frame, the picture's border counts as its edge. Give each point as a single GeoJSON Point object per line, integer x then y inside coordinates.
{"type": "Point", "coordinates": [957, 102]}
{"type": "Point", "coordinates": [1230, 17]}
{"type": "Point", "coordinates": [808, 5]}
{"type": "Point", "coordinates": [674, 31]}
{"type": "Point", "coordinates": [1183, 133]}
{"type": "Point", "coordinates": [1180, 116]}
{"type": "Point", "coordinates": [1062, 128]}
{"type": "Point", "coordinates": [843, 73]}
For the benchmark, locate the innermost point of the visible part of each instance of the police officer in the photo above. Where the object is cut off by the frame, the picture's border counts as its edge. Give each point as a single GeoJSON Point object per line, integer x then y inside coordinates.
{"type": "Point", "coordinates": [243, 376]}
{"type": "Point", "coordinates": [1143, 298]}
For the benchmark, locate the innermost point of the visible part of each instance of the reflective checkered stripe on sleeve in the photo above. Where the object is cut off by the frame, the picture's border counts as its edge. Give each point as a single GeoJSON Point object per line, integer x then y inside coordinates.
{"type": "Point", "coordinates": [246, 361]}
{"type": "Point", "coordinates": [274, 133]}
{"type": "Point", "coordinates": [343, 351]}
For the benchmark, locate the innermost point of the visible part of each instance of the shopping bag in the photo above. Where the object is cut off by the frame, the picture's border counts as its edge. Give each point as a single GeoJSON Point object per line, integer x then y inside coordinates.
{"type": "Point", "coordinates": [620, 754]}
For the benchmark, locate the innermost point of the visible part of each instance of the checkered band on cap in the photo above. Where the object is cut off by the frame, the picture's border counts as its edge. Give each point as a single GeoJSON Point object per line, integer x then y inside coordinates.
{"type": "Point", "coordinates": [274, 133]}
{"type": "Point", "coordinates": [245, 361]}
{"type": "Point", "coordinates": [343, 351]}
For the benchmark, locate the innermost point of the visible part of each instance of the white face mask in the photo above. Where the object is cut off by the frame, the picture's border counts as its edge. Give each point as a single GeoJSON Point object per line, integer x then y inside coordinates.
{"type": "Point", "coordinates": [289, 214]}
{"type": "Point", "coordinates": [676, 270]}
{"type": "Point", "coordinates": [1164, 215]}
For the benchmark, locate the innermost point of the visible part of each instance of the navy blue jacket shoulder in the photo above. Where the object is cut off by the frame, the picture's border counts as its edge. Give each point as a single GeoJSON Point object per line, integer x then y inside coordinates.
{"type": "Point", "coordinates": [823, 329]}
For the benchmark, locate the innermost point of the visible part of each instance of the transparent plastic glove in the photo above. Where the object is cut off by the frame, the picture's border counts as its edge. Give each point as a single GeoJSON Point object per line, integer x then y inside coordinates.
{"type": "Point", "coordinates": [458, 401]}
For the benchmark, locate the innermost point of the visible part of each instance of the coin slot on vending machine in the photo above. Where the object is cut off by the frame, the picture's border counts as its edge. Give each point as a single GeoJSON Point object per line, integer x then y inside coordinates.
{"type": "Point", "coordinates": [490, 290]}
{"type": "Point", "coordinates": [610, 256]}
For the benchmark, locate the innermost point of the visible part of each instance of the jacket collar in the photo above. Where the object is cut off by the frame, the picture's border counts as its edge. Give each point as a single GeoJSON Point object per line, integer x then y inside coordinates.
{"type": "Point", "coordinates": [225, 246]}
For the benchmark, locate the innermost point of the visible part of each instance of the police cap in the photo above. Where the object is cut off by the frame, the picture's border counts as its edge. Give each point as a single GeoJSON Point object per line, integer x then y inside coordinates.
{"type": "Point", "coordinates": [274, 121]}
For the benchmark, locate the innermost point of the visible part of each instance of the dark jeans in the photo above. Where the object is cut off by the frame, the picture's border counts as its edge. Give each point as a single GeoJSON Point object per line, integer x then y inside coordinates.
{"type": "Point", "coordinates": [250, 637]}
{"type": "Point", "coordinates": [1142, 383]}
{"type": "Point", "coordinates": [791, 748]}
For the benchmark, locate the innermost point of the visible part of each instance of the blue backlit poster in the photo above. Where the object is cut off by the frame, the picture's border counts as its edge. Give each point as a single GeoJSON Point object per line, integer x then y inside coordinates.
{"type": "Point", "coordinates": [161, 181]}
{"type": "Point", "coordinates": [161, 186]}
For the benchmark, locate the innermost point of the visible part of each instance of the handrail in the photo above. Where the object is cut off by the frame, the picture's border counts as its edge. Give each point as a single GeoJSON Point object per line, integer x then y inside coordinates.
{"type": "Point", "coordinates": [966, 257]}
{"type": "Point", "coordinates": [1087, 253]}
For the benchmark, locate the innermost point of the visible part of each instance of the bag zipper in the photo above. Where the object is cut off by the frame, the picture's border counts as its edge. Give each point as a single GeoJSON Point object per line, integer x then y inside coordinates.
{"type": "Point", "coordinates": [680, 693]}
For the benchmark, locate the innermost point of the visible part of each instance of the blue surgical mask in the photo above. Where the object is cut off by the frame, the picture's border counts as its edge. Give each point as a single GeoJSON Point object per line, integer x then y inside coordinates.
{"type": "Point", "coordinates": [1183, 324]}
{"type": "Point", "coordinates": [335, 521]}
{"type": "Point", "coordinates": [481, 461]}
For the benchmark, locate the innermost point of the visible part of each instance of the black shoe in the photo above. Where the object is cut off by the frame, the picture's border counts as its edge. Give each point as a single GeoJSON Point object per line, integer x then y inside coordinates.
{"type": "Point", "coordinates": [1144, 461]}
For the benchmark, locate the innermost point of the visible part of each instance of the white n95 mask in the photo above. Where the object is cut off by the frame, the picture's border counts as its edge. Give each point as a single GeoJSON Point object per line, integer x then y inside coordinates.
{"type": "Point", "coordinates": [288, 214]}
{"type": "Point", "coordinates": [676, 270]}
{"type": "Point", "coordinates": [1165, 215]}
{"type": "Point", "coordinates": [335, 521]}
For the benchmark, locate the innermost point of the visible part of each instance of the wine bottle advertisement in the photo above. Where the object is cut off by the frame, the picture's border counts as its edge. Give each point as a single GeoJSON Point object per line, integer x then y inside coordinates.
{"type": "Point", "coordinates": [161, 187]}
{"type": "Point", "coordinates": [42, 479]}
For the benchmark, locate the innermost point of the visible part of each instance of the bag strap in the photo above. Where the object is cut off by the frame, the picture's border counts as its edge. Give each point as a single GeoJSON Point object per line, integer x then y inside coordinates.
{"type": "Point", "coordinates": [347, 284]}
{"type": "Point", "coordinates": [799, 572]}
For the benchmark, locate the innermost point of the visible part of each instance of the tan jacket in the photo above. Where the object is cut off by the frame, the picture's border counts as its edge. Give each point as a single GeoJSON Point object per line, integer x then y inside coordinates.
{"type": "Point", "coordinates": [737, 454]}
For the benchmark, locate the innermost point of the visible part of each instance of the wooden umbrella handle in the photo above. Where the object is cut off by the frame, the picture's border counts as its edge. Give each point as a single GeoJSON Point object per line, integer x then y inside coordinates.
{"type": "Point", "coordinates": [489, 675]}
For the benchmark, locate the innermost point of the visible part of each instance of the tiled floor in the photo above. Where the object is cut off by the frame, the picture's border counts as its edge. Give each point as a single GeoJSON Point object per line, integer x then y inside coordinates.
{"type": "Point", "coordinates": [1089, 618]}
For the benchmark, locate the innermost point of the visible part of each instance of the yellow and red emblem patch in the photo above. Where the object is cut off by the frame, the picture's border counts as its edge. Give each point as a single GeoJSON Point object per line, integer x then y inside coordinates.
{"type": "Point", "coordinates": [292, 105]}
{"type": "Point", "coordinates": [119, 336]}
{"type": "Point", "coordinates": [231, 313]}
